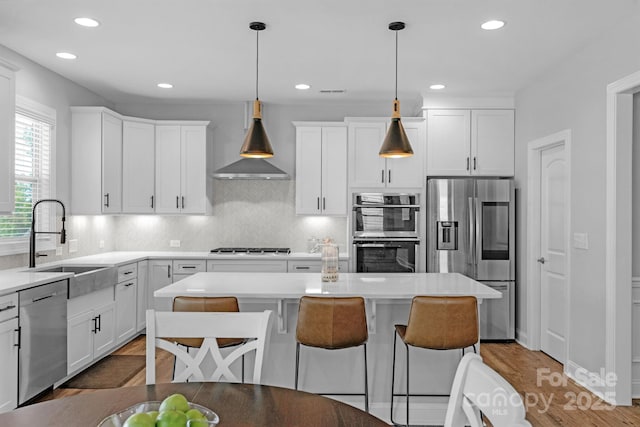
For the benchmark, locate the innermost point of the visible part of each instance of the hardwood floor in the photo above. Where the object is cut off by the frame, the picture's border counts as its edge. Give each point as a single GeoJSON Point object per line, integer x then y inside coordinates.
{"type": "Point", "coordinates": [547, 405]}
{"type": "Point", "coordinates": [567, 404]}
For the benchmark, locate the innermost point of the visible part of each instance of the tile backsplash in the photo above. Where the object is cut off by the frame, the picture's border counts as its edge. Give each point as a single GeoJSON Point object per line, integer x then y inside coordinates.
{"type": "Point", "coordinates": [248, 213]}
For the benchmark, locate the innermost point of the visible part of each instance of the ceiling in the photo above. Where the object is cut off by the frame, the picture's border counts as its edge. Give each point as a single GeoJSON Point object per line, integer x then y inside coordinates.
{"type": "Point", "coordinates": [207, 51]}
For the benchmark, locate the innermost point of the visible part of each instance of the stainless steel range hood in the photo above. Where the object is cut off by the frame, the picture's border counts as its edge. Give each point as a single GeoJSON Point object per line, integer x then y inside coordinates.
{"type": "Point", "coordinates": [247, 168]}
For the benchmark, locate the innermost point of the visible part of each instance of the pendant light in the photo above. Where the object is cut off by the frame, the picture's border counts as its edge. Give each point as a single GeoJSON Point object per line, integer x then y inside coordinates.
{"type": "Point", "coordinates": [256, 143]}
{"type": "Point", "coordinates": [396, 144]}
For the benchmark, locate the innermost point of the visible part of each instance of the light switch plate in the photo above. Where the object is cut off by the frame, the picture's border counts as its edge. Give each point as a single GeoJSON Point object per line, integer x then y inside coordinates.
{"type": "Point", "coordinates": [174, 243]}
{"type": "Point", "coordinates": [580, 241]}
{"type": "Point", "coordinates": [73, 246]}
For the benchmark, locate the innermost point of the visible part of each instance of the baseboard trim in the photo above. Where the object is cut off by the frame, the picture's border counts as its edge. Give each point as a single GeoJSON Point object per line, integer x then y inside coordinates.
{"type": "Point", "coordinates": [592, 381]}
{"type": "Point", "coordinates": [635, 389]}
{"type": "Point", "coordinates": [522, 339]}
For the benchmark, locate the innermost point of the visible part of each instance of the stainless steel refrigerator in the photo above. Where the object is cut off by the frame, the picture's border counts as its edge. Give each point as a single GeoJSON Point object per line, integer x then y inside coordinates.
{"type": "Point", "coordinates": [471, 230]}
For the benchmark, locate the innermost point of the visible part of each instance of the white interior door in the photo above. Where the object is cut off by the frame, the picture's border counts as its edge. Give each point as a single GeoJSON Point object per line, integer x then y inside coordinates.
{"type": "Point", "coordinates": [553, 257]}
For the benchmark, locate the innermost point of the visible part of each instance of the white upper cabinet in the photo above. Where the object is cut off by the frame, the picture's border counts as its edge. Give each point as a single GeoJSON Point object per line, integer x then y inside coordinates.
{"type": "Point", "coordinates": [493, 142]}
{"type": "Point", "coordinates": [367, 169]}
{"type": "Point", "coordinates": [96, 161]}
{"type": "Point", "coordinates": [130, 165]}
{"type": "Point", "coordinates": [182, 182]}
{"type": "Point", "coordinates": [138, 166]}
{"type": "Point", "coordinates": [321, 168]}
{"type": "Point", "coordinates": [470, 142]}
{"type": "Point", "coordinates": [7, 138]}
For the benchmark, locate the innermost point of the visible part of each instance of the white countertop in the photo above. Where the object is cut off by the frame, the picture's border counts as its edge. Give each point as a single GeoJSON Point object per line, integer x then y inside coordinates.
{"type": "Point", "coordinates": [295, 285]}
{"type": "Point", "coordinates": [17, 279]}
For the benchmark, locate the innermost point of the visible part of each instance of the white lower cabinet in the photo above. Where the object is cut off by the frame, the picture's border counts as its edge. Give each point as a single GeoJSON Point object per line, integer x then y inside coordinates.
{"type": "Point", "coordinates": [90, 328]}
{"type": "Point", "coordinates": [9, 352]}
{"type": "Point", "coordinates": [313, 266]}
{"type": "Point", "coordinates": [234, 265]}
{"type": "Point", "coordinates": [126, 305]}
{"type": "Point", "coordinates": [160, 275]}
{"type": "Point", "coordinates": [142, 298]}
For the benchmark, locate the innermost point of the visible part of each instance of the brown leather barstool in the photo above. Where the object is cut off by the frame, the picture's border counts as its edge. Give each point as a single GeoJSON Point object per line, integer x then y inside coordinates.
{"type": "Point", "coordinates": [333, 323]}
{"type": "Point", "coordinates": [436, 323]}
{"type": "Point", "coordinates": [208, 304]}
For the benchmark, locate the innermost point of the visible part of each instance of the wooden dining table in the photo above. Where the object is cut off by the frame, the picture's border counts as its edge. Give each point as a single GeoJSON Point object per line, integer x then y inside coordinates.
{"type": "Point", "coordinates": [237, 405]}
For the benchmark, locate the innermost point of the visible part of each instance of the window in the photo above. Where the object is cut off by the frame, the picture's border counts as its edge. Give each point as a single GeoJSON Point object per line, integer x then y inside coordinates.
{"type": "Point", "coordinates": [34, 138]}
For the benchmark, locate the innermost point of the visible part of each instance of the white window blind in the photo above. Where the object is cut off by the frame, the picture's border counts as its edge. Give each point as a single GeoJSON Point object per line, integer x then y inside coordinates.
{"type": "Point", "coordinates": [33, 138]}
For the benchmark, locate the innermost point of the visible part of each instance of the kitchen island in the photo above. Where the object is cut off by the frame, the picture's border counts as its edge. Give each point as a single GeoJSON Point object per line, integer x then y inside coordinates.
{"type": "Point", "coordinates": [388, 299]}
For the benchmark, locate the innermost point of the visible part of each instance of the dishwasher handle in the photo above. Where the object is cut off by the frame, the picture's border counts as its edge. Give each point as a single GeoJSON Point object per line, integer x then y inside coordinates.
{"type": "Point", "coordinates": [28, 302]}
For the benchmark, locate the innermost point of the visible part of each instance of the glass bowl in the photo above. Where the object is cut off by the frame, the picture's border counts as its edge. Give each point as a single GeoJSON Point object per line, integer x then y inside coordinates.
{"type": "Point", "coordinates": [118, 419]}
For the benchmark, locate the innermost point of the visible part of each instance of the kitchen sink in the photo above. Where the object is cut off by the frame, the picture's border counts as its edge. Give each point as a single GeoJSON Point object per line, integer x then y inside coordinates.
{"type": "Point", "coordinates": [85, 279]}
{"type": "Point", "coordinates": [76, 269]}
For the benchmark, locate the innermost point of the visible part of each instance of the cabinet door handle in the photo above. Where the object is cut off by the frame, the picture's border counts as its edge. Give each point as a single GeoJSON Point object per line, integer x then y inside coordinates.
{"type": "Point", "coordinates": [99, 322]}
{"type": "Point", "coordinates": [182, 202]}
{"type": "Point", "coordinates": [95, 325]}
{"type": "Point", "coordinates": [128, 284]}
{"type": "Point", "coordinates": [9, 307]}
{"type": "Point", "coordinates": [324, 204]}
{"type": "Point", "coordinates": [177, 202]}
{"type": "Point", "coordinates": [151, 202]}
{"type": "Point", "coordinates": [467, 163]}
{"type": "Point", "coordinates": [318, 202]}
{"type": "Point", "coordinates": [474, 163]}
{"type": "Point", "coordinates": [168, 271]}
{"type": "Point", "coordinates": [18, 340]}
{"type": "Point", "coordinates": [389, 179]}
{"type": "Point", "coordinates": [188, 266]}
{"type": "Point", "coordinates": [106, 200]}
{"type": "Point", "coordinates": [302, 267]}
{"type": "Point", "coordinates": [382, 176]}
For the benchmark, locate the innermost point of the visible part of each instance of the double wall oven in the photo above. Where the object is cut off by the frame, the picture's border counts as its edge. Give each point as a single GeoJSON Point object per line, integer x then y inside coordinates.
{"type": "Point", "coordinates": [385, 232]}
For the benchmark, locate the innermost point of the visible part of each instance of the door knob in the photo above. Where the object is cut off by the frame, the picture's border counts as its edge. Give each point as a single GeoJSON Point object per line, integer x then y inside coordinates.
{"type": "Point", "coordinates": [541, 260]}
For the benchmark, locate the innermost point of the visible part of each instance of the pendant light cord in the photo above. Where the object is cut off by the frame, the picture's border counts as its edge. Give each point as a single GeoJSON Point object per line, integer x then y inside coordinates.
{"type": "Point", "coordinates": [396, 65]}
{"type": "Point", "coordinates": [257, 51]}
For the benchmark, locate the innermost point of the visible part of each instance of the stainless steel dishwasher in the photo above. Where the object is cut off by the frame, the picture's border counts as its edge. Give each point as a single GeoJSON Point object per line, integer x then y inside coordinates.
{"type": "Point", "coordinates": [43, 338]}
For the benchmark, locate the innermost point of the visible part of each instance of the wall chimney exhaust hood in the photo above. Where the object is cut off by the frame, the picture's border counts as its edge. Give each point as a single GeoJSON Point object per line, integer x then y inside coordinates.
{"type": "Point", "coordinates": [249, 168]}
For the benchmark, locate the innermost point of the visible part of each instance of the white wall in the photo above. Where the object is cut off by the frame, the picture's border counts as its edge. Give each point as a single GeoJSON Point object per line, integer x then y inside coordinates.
{"type": "Point", "coordinates": [635, 266]}
{"type": "Point", "coordinates": [572, 95]}
{"type": "Point", "coordinates": [48, 88]}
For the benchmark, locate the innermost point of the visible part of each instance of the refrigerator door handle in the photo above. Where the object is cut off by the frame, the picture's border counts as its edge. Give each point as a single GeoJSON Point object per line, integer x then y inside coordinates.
{"type": "Point", "coordinates": [472, 231]}
{"type": "Point", "coordinates": [478, 229]}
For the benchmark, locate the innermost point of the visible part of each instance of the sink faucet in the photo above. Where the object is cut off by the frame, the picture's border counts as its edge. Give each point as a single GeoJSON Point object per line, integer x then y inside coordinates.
{"type": "Point", "coordinates": [32, 237]}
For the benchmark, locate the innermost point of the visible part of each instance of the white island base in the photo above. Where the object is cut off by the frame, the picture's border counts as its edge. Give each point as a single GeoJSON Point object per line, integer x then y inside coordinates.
{"type": "Point", "coordinates": [388, 298]}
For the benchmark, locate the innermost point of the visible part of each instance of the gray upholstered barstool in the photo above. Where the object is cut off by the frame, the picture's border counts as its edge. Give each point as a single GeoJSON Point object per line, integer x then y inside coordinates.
{"type": "Point", "coordinates": [333, 323]}
{"type": "Point", "coordinates": [208, 304]}
{"type": "Point", "coordinates": [436, 323]}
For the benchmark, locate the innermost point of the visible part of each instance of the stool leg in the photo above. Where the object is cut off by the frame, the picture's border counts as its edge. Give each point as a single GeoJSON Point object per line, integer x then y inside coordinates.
{"type": "Point", "coordinates": [366, 381]}
{"type": "Point", "coordinates": [407, 347]}
{"type": "Point", "coordinates": [393, 375]}
{"type": "Point", "coordinates": [297, 363]}
{"type": "Point", "coordinates": [243, 369]}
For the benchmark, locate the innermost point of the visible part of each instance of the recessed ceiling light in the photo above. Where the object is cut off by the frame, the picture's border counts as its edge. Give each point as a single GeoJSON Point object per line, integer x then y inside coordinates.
{"type": "Point", "coordinates": [494, 24]}
{"type": "Point", "coordinates": [86, 22]}
{"type": "Point", "coordinates": [66, 55]}
{"type": "Point", "coordinates": [165, 85]}
{"type": "Point", "coordinates": [437, 87]}
{"type": "Point", "coordinates": [302, 86]}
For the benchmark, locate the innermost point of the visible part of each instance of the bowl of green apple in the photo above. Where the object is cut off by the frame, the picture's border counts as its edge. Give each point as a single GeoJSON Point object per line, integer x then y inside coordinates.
{"type": "Point", "coordinates": [173, 411]}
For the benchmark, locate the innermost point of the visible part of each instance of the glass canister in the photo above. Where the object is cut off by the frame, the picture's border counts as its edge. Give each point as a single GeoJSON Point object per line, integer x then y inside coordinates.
{"type": "Point", "coordinates": [329, 258]}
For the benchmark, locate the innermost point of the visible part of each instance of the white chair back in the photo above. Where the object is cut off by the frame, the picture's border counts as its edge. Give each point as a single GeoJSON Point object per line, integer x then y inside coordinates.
{"type": "Point", "coordinates": [478, 388]}
{"type": "Point", "coordinates": [164, 325]}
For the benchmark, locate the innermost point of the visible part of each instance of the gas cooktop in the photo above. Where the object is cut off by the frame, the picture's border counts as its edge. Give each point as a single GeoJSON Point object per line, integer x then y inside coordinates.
{"type": "Point", "coordinates": [251, 251]}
